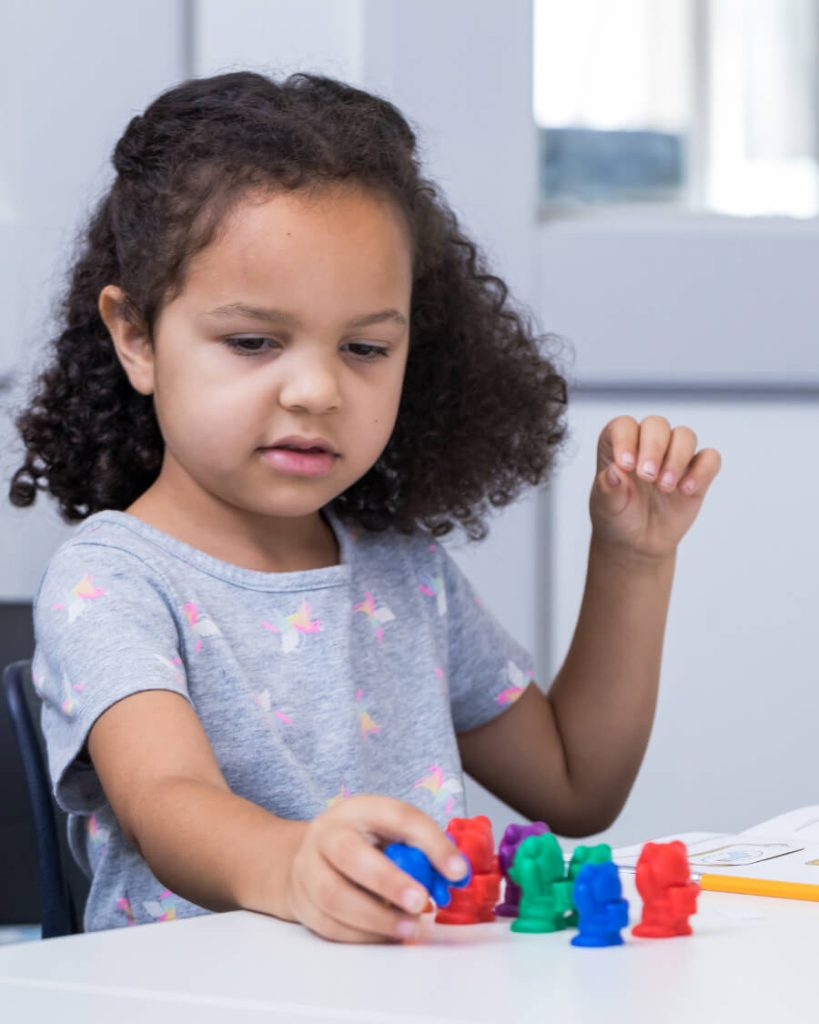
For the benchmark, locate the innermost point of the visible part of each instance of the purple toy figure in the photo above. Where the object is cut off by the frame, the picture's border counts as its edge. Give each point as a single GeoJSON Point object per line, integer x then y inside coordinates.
{"type": "Point", "coordinates": [512, 838]}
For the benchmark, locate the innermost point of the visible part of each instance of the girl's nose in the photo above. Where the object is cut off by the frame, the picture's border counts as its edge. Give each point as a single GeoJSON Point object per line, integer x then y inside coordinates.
{"type": "Point", "coordinates": [311, 386]}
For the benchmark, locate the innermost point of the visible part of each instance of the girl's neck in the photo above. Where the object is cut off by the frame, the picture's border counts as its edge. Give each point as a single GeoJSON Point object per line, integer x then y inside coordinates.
{"type": "Point", "coordinates": [280, 545]}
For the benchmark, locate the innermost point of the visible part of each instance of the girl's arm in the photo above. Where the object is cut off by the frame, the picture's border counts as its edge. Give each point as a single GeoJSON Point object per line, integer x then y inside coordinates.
{"type": "Point", "coordinates": [203, 842]}
{"type": "Point", "coordinates": [570, 758]}
{"type": "Point", "coordinates": [222, 852]}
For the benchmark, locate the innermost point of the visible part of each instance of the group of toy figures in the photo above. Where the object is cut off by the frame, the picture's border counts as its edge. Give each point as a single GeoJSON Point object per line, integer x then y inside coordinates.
{"type": "Point", "coordinates": [543, 894]}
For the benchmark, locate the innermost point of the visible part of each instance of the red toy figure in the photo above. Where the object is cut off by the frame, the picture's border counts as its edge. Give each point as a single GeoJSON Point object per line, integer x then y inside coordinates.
{"type": "Point", "coordinates": [669, 895]}
{"type": "Point", "coordinates": [476, 901]}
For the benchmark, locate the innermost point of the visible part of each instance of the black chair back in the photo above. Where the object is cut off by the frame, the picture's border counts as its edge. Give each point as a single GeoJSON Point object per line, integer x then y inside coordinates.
{"type": "Point", "coordinates": [63, 888]}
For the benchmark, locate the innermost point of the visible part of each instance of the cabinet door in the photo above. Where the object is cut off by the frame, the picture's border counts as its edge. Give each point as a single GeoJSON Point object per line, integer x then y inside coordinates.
{"type": "Point", "coordinates": [734, 739]}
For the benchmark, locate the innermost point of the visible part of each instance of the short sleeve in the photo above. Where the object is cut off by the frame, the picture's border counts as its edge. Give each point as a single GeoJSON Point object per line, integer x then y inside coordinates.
{"type": "Point", "coordinates": [488, 668]}
{"type": "Point", "coordinates": [103, 630]}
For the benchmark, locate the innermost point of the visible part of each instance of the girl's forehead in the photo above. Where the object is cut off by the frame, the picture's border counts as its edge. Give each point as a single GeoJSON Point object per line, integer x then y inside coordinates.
{"type": "Point", "coordinates": [300, 246]}
{"type": "Point", "coordinates": [338, 216]}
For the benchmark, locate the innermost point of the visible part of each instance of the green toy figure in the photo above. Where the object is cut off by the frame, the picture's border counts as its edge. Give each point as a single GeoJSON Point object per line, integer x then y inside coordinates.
{"type": "Point", "coordinates": [582, 855]}
{"type": "Point", "coordinates": [546, 892]}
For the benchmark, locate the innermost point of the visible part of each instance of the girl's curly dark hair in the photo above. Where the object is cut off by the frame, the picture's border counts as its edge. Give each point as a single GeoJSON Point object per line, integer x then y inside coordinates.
{"type": "Point", "coordinates": [481, 411]}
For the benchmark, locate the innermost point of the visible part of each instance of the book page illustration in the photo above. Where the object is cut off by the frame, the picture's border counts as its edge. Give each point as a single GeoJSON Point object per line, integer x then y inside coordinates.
{"type": "Point", "coordinates": [736, 855]}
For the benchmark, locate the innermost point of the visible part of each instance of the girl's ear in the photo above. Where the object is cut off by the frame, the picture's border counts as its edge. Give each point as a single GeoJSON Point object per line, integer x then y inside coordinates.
{"type": "Point", "coordinates": [132, 342]}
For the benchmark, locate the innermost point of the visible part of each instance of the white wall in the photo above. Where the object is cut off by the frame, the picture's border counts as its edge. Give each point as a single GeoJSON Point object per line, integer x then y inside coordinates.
{"type": "Point", "coordinates": [71, 76]}
{"type": "Point", "coordinates": [279, 37]}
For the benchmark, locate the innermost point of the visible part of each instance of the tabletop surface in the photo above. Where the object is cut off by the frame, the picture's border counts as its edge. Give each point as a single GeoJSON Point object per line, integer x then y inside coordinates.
{"type": "Point", "coordinates": [750, 959]}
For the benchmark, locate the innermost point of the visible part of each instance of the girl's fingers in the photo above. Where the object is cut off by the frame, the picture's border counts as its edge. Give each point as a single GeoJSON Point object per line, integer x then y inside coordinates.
{"type": "Point", "coordinates": [618, 444]}
{"type": "Point", "coordinates": [680, 452]}
{"type": "Point", "coordinates": [701, 471]}
{"type": "Point", "coordinates": [659, 455]}
{"type": "Point", "coordinates": [655, 434]}
{"type": "Point", "coordinates": [354, 910]}
{"type": "Point", "coordinates": [397, 821]}
{"type": "Point", "coordinates": [318, 921]}
{"type": "Point", "coordinates": [352, 856]}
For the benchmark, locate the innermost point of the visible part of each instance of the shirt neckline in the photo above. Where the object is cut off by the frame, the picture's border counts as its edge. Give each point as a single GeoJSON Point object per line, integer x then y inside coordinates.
{"type": "Point", "coordinates": [328, 575]}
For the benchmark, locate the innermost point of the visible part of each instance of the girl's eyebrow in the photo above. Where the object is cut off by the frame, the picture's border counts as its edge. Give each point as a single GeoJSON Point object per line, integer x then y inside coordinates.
{"type": "Point", "coordinates": [288, 320]}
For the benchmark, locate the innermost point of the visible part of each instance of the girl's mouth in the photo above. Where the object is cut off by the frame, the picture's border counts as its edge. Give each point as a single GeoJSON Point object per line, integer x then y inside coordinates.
{"type": "Point", "coordinates": [300, 461]}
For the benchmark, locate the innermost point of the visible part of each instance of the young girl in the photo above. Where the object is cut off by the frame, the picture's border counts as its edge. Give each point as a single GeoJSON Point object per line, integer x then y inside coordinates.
{"type": "Point", "coordinates": [283, 372]}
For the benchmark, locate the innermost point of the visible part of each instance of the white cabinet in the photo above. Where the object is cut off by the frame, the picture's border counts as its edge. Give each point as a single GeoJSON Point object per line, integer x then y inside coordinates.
{"type": "Point", "coordinates": [682, 297]}
{"type": "Point", "coordinates": [735, 737]}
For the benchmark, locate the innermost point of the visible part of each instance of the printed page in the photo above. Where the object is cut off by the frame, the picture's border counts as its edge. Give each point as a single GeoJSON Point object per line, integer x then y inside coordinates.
{"type": "Point", "coordinates": [794, 866]}
{"type": "Point", "coordinates": [739, 852]}
{"type": "Point", "coordinates": [627, 856]}
{"type": "Point", "coordinates": [785, 849]}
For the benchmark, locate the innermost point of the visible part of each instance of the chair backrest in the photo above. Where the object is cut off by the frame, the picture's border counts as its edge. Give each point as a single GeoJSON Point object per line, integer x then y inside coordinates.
{"type": "Point", "coordinates": [62, 888]}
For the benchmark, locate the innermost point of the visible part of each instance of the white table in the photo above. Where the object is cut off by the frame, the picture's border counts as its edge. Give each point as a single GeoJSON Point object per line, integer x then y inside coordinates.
{"type": "Point", "coordinates": [751, 959]}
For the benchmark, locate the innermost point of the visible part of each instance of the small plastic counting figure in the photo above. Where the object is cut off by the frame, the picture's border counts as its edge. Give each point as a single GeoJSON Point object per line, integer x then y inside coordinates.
{"type": "Point", "coordinates": [512, 838]}
{"type": "Point", "coordinates": [669, 896]}
{"type": "Point", "coordinates": [416, 864]}
{"type": "Point", "coordinates": [546, 897]}
{"type": "Point", "coordinates": [581, 855]}
{"type": "Point", "coordinates": [476, 901]}
{"type": "Point", "coordinates": [602, 910]}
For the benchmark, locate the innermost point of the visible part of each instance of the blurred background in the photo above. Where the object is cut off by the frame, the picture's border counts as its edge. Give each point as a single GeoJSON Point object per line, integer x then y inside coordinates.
{"type": "Point", "coordinates": [645, 177]}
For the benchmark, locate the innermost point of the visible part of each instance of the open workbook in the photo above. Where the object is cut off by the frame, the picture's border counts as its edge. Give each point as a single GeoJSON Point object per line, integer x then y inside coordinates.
{"type": "Point", "coordinates": [777, 857]}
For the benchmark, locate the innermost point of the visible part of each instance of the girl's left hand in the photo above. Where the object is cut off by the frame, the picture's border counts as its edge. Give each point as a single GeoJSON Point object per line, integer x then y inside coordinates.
{"type": "Point", "coordinates": [650, 483]}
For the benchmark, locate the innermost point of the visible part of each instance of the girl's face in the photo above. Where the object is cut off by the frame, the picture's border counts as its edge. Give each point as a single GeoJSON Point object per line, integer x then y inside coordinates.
{"type": "Point", "coordinates": [263, 344]}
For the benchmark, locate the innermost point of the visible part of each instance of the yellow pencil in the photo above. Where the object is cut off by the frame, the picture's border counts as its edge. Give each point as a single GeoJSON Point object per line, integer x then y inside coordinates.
{"type": "Point", "coordinates": [759, 887]}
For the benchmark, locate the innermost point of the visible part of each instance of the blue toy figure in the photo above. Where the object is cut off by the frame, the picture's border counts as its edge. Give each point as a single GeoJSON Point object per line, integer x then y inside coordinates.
{"type": "Point", "coordinates": [602, 911]}
{"type": "Point", "coordinates": [417, 865]}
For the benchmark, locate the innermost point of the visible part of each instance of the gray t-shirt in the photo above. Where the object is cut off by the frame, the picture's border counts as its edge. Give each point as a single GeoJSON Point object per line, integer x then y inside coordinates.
{"type": "Point", "coordinates": [312, 686]}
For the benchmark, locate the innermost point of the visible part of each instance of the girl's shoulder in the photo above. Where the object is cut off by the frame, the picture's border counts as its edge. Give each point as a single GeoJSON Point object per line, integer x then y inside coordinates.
{"type": "Point", "coordinates": [101, 544]}
{"type": "Point", "coordinates": [110, 530]}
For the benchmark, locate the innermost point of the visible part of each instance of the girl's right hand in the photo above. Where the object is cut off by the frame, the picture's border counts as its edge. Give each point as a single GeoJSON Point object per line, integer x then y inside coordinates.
{"type": "Point", "coordinates": [339, 879]}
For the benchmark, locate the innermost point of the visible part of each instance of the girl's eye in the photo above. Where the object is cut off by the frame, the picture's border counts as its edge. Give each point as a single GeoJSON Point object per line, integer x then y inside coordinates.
{"type": "Point", "coordinates": [251, 346]}
{"type": "Point", "coordinates": [368, 352]}
{"type": "Point", "coordinates": [246, 346]}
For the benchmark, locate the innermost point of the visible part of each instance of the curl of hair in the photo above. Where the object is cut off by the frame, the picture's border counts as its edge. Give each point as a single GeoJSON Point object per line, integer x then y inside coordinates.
{"type": "Point", "coordinates": [481, 412]}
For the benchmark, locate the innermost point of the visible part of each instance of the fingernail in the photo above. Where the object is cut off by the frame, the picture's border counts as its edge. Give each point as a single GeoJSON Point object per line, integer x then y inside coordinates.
{"type": "Point", "coordinates": [689, 486]}
{"type": "Point", "coordinates": [649, 469]}
{"type": "Point", "coordinates": [627, 459]}
{"type": "Point", "coordinates": [668, 480]}
{"type": "Point", "coordinates": [456, 867]}
{"type": "Point", "coordinates": [406, 929]}
{"type": "Point", "coordinates": [413, 901]}
{"type": "Point", "coordinates": [612, 477]}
